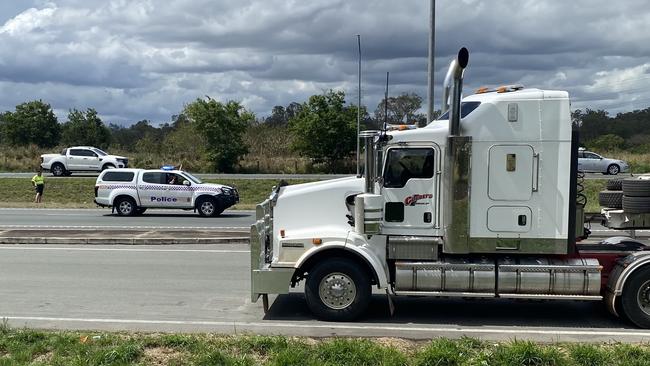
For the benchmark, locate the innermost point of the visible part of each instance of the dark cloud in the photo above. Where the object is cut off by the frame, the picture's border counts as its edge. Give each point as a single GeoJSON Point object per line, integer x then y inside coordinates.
{"type": "Point", "coordinates": [145, 59]}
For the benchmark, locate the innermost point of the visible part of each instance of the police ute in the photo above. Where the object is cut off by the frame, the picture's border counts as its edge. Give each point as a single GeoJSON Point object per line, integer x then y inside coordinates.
{"type": "Point", "coordinates": [133, 191]}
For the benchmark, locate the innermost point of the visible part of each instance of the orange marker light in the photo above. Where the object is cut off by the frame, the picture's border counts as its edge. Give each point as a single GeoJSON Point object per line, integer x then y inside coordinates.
{"type": "Point", "coordinates": [482, 90]}
{"type": "Point", "coordinates": [317, 241]}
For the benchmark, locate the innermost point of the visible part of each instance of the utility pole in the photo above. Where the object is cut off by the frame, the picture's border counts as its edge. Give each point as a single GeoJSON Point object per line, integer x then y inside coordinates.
{"type": "Point", "coordinates": [431, 68]}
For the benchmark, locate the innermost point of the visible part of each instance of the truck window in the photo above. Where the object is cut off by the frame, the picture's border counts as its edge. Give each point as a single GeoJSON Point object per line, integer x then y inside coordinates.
{"type": "Point", "coordinates": [154, 177]}
{"type": "Point", "coordinates": [465, 109]}
{"type": "Point", "coordinates": [404, 164]}
{"type": "Point", "coordinates": [118, 176]}
{"type": "Point", "coordinates": [77, 152]}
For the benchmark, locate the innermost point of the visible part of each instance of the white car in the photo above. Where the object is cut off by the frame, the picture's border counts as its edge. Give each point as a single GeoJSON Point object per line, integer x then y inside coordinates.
{"type": "Point", "coordinates": [591, 162]}
{"type": "Point", "coordinates": [81, 159]}
{"type": "Point", "coordinates": [132, 191]}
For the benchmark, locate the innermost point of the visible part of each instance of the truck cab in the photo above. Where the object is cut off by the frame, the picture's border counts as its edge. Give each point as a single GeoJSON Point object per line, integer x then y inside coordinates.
{"type": "Point", "coordinates": [481, 203]}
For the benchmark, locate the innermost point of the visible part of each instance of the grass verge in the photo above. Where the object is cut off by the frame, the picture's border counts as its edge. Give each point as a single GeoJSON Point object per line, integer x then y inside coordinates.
{"type": "Point", "coordinates": [34, 347]}
{"type": "Point", "coordinates": [79, 192]}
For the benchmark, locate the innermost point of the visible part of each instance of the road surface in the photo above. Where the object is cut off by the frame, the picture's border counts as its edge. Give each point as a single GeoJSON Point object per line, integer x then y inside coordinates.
{"type": "Point", "coordinates": [206, 288]}
{"type": "Point", "coordinates": [80, 219]}
{"type": "Point", "coordinates": [28, 218]}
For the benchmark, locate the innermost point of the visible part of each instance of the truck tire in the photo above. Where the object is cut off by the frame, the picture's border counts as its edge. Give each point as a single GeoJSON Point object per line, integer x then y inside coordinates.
{"type": "Point", "coordinates": [634, 187]}
{"type": "Point", "coordinates": [636, 205]}
{"type": "Point", "coordinates": [610, 199]}
{"type": "Point", "coordinates": [208, 207]}
{"type": "Point", "coordinates": [108, 166]}
{"type": "Point", "coordinates": [337, 290]}
{"type": "Point", "coordinates": [615, 184]}
{"type": "Point", "coordinates": [58, 170]}
{"type": "Point", "coordinates": [635, 300]}
{"type": "Point", "coordinates": [126, 206]}
{"type": "Point", "coordinates": [613, 169]}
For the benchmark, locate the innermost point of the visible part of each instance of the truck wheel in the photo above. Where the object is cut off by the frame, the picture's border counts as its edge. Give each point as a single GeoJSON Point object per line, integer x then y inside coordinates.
{"type": "Point", "coordinates": [611, 199]}
{"type": "Point", "coordinates": [58, 170]}
{"type": "Point", "coordinates": [337, 290]}
{"type": "Point", "coordinates": [615, 184]}
{"type": "Point", "coordinates": [108, 166]}
{"type": "Point", "coordinates": [208, 207]}
{"type": "Point", "coordinates": [635, 187]}
{"type": "Point", "coordinates": [636, 205]}
{"type": "Point", "coordinates": [613, 169]}
{"type": "Point", "coordinates": [126, 206]}
{"type": "Point", "coordinates": [635, 300]}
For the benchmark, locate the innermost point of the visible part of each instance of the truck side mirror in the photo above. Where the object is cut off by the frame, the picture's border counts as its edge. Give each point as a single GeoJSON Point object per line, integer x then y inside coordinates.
{"type": "Point", "coordinates": [186, 183]}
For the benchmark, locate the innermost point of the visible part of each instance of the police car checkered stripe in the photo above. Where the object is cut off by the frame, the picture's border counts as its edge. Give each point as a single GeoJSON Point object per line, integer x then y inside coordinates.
{"type": "Point", "coordinates": [116, 186]}
{"type": "Point", "coordinates": [179, 188]}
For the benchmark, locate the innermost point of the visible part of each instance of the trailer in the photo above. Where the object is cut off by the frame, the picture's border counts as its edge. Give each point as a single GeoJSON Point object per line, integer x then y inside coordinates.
{"type": "Point", "coordinates": [484, 202]}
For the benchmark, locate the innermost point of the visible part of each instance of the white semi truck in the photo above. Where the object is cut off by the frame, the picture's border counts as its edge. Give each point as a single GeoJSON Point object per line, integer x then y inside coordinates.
{"type": "Point", "coordinates": [482, 203]}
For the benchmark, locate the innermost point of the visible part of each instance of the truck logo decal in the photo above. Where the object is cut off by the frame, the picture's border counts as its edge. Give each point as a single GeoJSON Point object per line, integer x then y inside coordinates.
{"type": "Point", "coordinates": [413, 200]}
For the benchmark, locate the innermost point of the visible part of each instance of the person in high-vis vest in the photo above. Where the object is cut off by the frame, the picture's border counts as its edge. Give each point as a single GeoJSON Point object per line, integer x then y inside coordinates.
{"type": "Point", "coordinates": [39, 183]}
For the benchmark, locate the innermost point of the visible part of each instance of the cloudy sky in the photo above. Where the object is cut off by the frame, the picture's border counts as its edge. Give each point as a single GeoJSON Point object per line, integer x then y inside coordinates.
{"type": "Point", "coordinates": [145, 59]}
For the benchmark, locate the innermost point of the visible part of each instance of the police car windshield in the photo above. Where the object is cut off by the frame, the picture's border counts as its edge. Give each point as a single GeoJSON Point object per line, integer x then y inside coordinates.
{"type": "Point", "coordinates": [99, 152]}
{"type": "Point", "coordinates": [193, 178]}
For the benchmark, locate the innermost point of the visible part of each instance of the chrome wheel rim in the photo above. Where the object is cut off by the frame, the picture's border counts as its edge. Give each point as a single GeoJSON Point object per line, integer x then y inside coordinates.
{"type": "Point", "coordinates": [125, 207]}
{"type": "Point", "coordinates": [207, 208]}
{"type": "Point", "coordinates": [613, 170]}
{"type": "Point", "coordinates": [337, 291]}
{"type": "Point", "coordinates": [643, 298]}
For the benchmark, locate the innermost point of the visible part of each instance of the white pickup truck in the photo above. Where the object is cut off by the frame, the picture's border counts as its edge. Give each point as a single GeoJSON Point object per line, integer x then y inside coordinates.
{"type": "Point", "coordinates": [82, 159]}
{"type": "Point", "coordinates": [132, 191]}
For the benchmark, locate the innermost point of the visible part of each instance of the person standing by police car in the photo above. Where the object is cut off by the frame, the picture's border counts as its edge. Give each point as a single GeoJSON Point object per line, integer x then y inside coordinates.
{"type": "Point", "coordinates": [39, 183]}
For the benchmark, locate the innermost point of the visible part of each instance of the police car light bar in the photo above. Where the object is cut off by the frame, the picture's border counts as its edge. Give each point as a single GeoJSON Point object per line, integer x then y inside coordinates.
{"type": "Point", "coordinates": [168, 167]}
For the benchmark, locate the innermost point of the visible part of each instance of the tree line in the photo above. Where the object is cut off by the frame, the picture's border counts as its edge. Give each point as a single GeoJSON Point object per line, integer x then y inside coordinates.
{"type": "Point", "coordinates": [323, 128]}
{"type": "Point", "coordinates": [628, 131]}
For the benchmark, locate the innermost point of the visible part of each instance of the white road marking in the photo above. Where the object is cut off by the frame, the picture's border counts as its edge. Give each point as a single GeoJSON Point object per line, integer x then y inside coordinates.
{"type": "Point", "coordinates": [127, 249]}
{"type": "Point", "coordinates": [483, 330]}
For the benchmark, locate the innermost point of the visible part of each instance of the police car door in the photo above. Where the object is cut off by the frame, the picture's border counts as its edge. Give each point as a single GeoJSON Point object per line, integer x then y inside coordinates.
{"type": "Point", "coordinates": [180, 194]}
{"type": "Point", "coordinates": [409, 189]}
{"type": "Point", "coordinates": [152, 189]}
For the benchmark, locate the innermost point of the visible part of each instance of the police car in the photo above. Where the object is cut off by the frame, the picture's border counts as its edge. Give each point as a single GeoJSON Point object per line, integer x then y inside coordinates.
{"type": "Point", "coordinates": [133, 191]}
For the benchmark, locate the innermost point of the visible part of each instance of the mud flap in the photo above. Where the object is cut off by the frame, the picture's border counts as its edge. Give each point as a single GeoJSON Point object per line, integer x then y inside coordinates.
{"type": "Point", "coordinates": [391, 306]}
{"type": "Point", "coordinates": [265, 303]}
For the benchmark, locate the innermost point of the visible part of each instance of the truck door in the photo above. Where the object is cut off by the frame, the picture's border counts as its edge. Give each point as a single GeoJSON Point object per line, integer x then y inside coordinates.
{"type": "Point", "coordinates": [92, 160]}
{"type": "Point", "coordinates": [409, 188]}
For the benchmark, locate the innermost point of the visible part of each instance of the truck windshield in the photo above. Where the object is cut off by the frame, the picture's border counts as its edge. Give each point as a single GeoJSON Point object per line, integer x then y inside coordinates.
{"type": "Point", "coordinates": [193, 178]}
{"type": "Point", "coordinates": [99, 152]}
{"type": "Point", "coordinates": [465, 109]}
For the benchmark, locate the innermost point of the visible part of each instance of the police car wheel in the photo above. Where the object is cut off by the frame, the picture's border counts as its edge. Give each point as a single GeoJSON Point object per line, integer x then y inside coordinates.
{"type": "Point", "coordinates": [126, 207]}
{"type": "Point", "coordinates": [208, 207]}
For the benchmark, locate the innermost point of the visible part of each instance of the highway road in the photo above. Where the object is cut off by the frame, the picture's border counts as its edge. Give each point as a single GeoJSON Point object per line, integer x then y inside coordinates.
{"type": "Point", "coordinates": [34, 218]}
{"type": "Point", "coordinates": [206, 288]}
{"type": "Point", "coordinates": [81, 219]}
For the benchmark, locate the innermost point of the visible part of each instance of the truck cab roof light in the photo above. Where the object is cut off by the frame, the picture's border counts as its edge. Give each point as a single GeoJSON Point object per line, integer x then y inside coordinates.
{"type": "Point", "coordinates": [168, 167]}
{"type": "Point", "coordinates": [500, 89]}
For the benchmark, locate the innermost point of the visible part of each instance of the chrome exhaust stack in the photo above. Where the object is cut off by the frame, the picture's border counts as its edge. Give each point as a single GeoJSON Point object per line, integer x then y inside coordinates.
{"type": "Point", "coordinates": [368, 206]}
{"type": "Point", "coordinates": [459, 152]}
